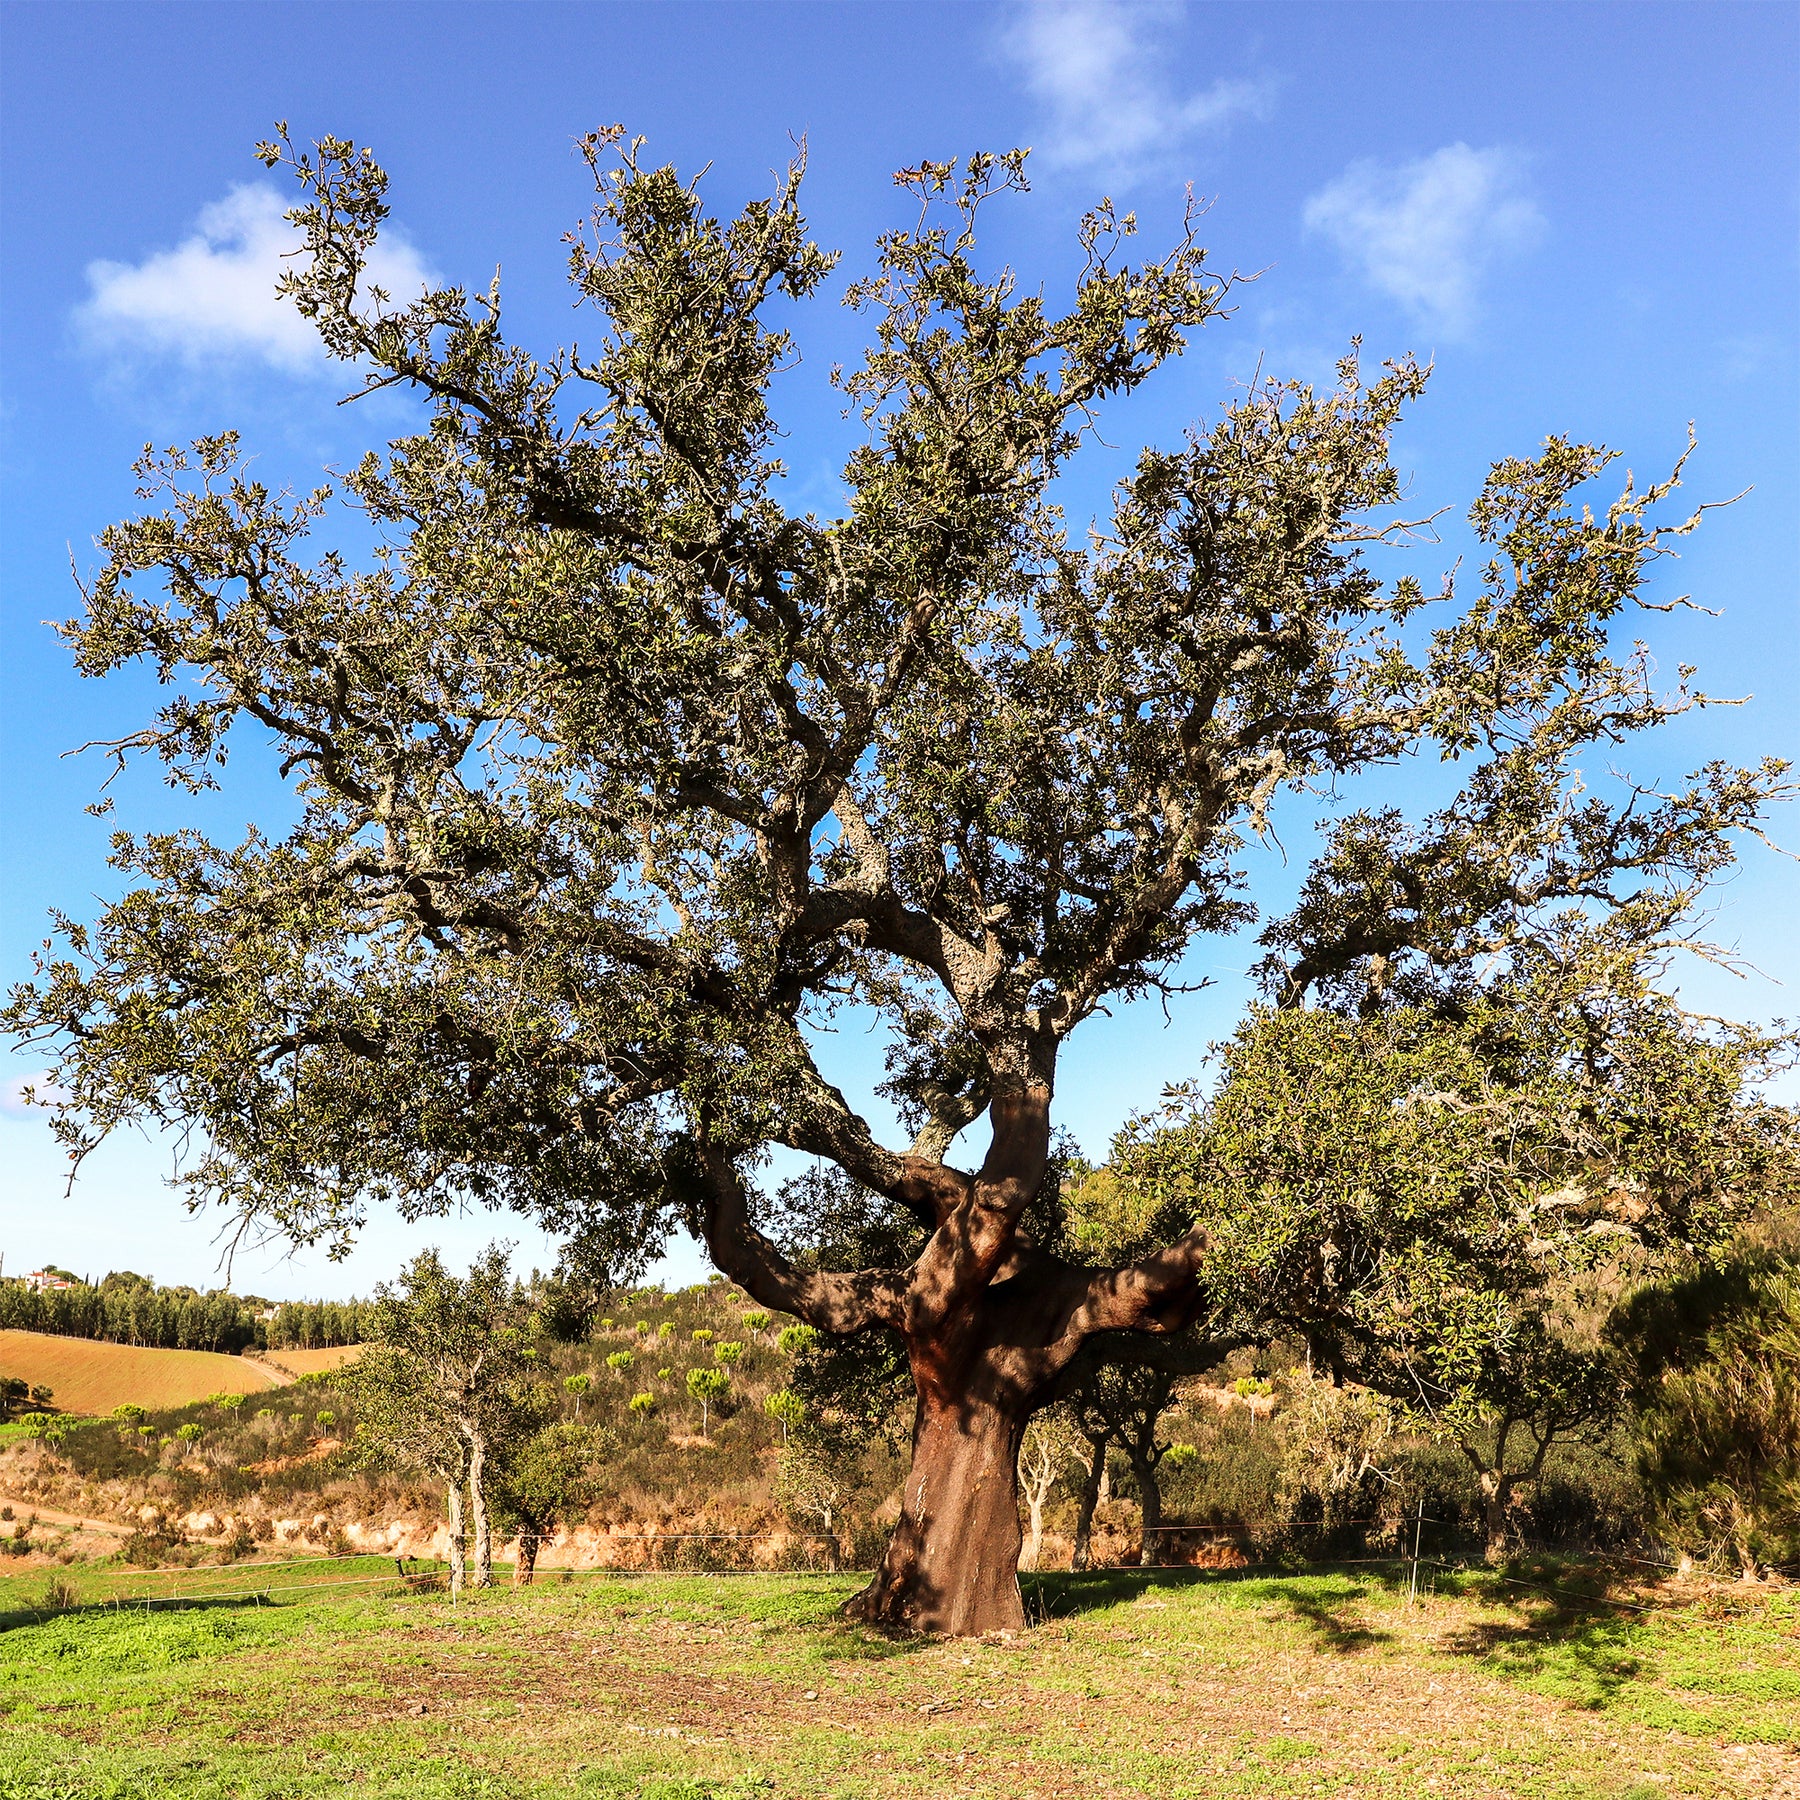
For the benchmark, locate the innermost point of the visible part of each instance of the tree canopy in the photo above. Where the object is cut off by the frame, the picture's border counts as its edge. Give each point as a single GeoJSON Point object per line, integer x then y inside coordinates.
{"type": "Point", "coordinates": [621, 778]}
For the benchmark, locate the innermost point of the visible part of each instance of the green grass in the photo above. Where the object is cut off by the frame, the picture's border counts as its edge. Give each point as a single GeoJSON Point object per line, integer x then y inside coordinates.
{"type": "Point", "coordinates": [709, 1688]}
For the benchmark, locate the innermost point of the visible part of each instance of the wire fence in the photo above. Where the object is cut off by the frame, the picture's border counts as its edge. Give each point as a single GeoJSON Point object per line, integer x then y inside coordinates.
{"type": "Point", "coordinates": [414, 1573]}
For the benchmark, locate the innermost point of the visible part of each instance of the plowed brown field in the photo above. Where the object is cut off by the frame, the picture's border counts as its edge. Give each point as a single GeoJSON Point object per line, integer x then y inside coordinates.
{"type": "Point", "coordinates": [311, 1362]}
{"type": "Point", "coordinates": [89, 1377]}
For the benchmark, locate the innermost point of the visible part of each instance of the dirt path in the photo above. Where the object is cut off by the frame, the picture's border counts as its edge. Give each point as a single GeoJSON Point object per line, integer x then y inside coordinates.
{"type": "Point", "coordinates": [52, 1516]}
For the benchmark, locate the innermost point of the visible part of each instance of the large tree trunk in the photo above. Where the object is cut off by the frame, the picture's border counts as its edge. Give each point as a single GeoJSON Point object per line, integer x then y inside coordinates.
{"type": "Point", "coordinates": [990, 1322]}
{"type": "Point", "coordinates": [525, 1561]}
{"type": "Point", "coordinates": [459, 1543]}
{"type": "Point", "coordinates": [952, 1564]}
{"type": "Point", "coordinates": [1090, 1499]}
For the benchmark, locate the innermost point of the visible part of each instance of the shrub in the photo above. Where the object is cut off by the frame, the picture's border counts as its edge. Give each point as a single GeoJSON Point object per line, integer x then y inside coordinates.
{"type": "Point", "coordinates": [702, 1335]}
{"type": "Point", "coordinates": [326, 1418]}
{"type": "Point", "coordinates": [129, 1412]}
{"type": "Point", "coordinates": [1338, 1448]}
{"type": "Point", "coordinates": [643, 1404]}
{"type": "Point", "coordinates": [755, 1321]}
{"type": "Point", "coordinates": [148, 1549]}
{"type": "Point", "coordinates": [188, 1432]}
{"type": "Point", "coordinates": [1180, 1456]}
{"type": "Point", "coordinates": [795, 1338]}
{"type": "Point", "coordinates": [1717, 1365]}
{"type": "Point", "coordinates": [664, 1374]}
{"type": "Point", "coordinates": [57, 1595]}
{"type": "Point", "coordinates": [620, 1361]}
{"type": "Point", "coordinates": [666, 1329]}
{"type": "Point", "coordinates": [727, 1353]}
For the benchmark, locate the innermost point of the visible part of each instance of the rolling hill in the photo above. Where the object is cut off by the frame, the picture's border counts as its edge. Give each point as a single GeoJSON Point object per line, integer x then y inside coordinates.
{"type": "Point", "coordinates": [86, 1376]}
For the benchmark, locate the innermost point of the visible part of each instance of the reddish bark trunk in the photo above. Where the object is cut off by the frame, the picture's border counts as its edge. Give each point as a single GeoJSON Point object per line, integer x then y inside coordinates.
{"type": "Point", "coordinates": [952, 1563]}
{"type": "Point", "coordinates": [989, 1322]}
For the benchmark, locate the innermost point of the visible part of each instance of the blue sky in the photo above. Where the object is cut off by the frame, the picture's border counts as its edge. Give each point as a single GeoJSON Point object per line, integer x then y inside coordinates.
{"type": "Point", "coordinates": [1586, 214]}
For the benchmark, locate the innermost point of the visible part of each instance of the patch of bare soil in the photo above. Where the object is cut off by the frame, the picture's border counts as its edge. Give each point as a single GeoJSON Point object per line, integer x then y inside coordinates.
{"type": "Point", "coordinates": [316, 1451]}
{"type": "Point", "coordinates": [1364, 1714]}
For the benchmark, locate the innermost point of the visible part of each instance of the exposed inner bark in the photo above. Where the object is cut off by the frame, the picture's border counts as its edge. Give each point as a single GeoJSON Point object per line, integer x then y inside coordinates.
{"type": "Point", "coordinates": [952, 1564]}
{"type": "Point", "coordinates": [989, 1323]}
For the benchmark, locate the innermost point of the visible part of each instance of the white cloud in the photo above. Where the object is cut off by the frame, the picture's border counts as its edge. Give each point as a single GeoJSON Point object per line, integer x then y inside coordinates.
{"type": "Point", "coordinates": [213, 296]}
{"type": "Point", "coordinates": [1425, 232]}
{"type": "Point", "coordinates": [12, 1095]}
{"type": "Point", "coordinates": [1100, 68]}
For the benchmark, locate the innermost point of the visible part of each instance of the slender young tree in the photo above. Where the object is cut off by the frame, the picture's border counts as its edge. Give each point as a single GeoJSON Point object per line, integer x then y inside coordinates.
{"type": "Point", "coordinates": [1041, 1456]}
{"type": "Point", "coordinates": [448, 1379]}
{"type": "Point", "coordinates": [1095, 1447]}
{"type": "Point", "coordinates": [620, 775]}
{"type": "Point", "coordinates": [402, 1420]}
{"type": "Point", "coordinates": [1123, 1404]}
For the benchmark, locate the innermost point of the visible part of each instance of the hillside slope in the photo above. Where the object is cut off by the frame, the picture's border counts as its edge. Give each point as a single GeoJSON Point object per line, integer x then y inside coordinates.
{"type": "Point", "coordinates": [86, 1376]}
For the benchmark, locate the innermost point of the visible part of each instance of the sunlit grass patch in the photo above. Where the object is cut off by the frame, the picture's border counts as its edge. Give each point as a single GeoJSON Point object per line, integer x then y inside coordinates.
{"type": "Point", "coordinates": [725, 1688]}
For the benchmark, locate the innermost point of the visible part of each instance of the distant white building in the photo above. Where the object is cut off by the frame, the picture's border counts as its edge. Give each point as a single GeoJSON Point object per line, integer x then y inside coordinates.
{"type": "Point", "coordinates": [45, 1281]}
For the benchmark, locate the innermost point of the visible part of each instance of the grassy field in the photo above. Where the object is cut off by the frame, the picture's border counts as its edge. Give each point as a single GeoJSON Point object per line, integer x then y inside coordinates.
{"type": "Point", "coordinates": [708, 1688]}
{"type": "Point", "coordinates": [90, 1377]}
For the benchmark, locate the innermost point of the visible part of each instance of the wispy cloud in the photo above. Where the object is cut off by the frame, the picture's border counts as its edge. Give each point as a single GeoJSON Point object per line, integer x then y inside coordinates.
{"type": "Point", "coordinates": [12, 1095]}
{"type": "Point", "coordinates": [1426, 232]}
{"type": "Point", "coordinates": [1100, 68]}
{"type": "Point", "coordinates": [213, 296]}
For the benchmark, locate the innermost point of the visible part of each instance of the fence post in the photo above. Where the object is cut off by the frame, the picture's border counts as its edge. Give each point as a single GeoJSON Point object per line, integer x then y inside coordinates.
{"type": "Point", "coordinates": [1418, 1532]}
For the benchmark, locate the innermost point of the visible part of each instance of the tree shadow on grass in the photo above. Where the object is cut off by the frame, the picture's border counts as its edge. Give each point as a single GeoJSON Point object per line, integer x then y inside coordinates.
{"type": "Point", "coordinates": [1345, 1636]}
{"type": "Point", "coordinates": [1569, 1638]}
{"type": "Point", "coordinates": [22, 1617]}
{"type": "Point", "coordinates": [1061, 1595]}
